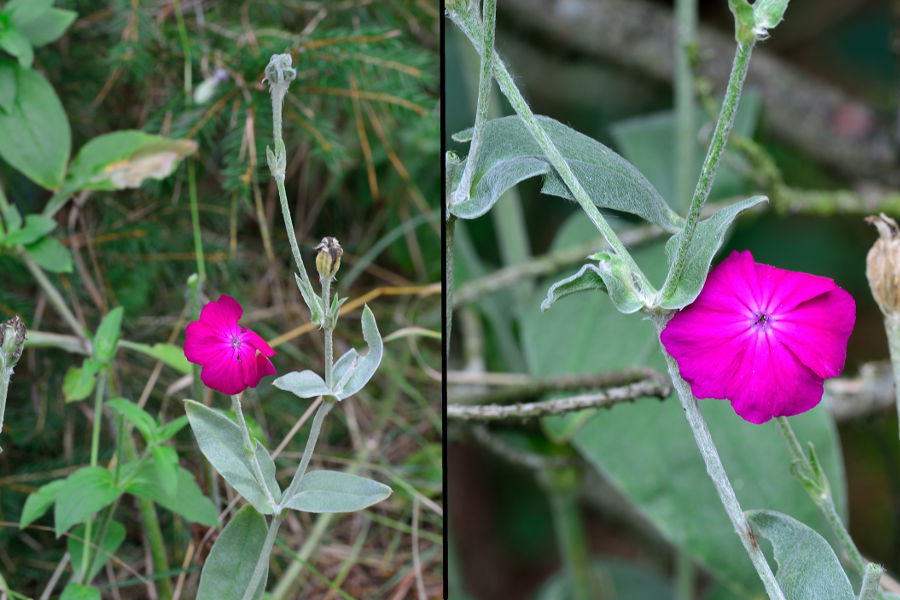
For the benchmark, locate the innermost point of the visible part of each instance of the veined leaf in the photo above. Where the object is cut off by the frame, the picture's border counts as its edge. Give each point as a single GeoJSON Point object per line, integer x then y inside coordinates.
{"type": "Point", "coordinates": [228, 568]}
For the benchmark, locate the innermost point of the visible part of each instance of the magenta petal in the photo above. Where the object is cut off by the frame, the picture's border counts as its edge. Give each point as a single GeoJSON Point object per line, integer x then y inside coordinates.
{"type": "Point", "coordinates": [258, 343]}
{"type": "Point", "coordinates": [264, 367]}
{"type": "Point", "coordinates": [222, 314]}
{"type": "Point", "coordinates": [202, 344]}
{"type": "Point", "coordinates": [223, 376]}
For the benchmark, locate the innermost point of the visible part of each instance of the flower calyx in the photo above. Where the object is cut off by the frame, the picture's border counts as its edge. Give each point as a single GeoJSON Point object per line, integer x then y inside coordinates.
{"type": "Point", "coordinates": [328, 259]}
{"type": "Point", "coordinates": [12, 341]}
{"type": "Point", "coordinates": [883, 265]}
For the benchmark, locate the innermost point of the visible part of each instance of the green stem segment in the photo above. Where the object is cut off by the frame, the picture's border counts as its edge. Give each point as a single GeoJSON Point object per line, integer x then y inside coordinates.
{"type": "Point", "coordinates": [329, 331]}
{"type": "Point", "coordinates": [716, 469]}
{"type": "Point", "coordinates": [449, 231]}
{"type": "Point", "coordinates": [250, 449]}
{"type": "Point", "coordinates": [95, 451]}
{"type": "Point", "coordinates": [469, 25]}
{"type": "Point", "coordinates": [195, 220]}
{"type": "Point", "coordinates": [685, 112]}
{"type": "Point", "coordinates": [710, 163]}
{"type": "Point", "coordinates": [56, 299]}
{"type": "Point", "coordinates": [260, 569]}
{"type": "Point", "coordinates": [892, 328]}
{"type": "Point", "coordinates": [870, 589]}
{"type": "Point", "coordinates": [489, 20]}
{"type": "Point", "coordinates": [564, 507]}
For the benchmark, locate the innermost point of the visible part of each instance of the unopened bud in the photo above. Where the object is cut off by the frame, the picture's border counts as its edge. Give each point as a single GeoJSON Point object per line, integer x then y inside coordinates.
{"type": "Point", "coordinates": [328, 260]}
{"type": "Point", "coordinates": [12, 341]}
{"type": "Point", "coordinates": [883, 265]}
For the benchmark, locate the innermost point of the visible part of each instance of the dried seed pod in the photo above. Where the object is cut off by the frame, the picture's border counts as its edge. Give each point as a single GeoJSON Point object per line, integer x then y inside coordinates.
{"type": "Point", "coordinates": [883, 265]}
{"type": "Point", "coordinates": [12, 341]}
{"type": "Point", "coordinates": [328, 260]}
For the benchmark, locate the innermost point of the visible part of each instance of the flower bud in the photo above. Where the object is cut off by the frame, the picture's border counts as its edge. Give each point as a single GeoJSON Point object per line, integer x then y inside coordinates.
{"type": "Point", "coordinates": [328, 260]}
{"type": "Point", "coordinates": [883, 265]}
{"type": "Point", "coordinates": [12, 340]}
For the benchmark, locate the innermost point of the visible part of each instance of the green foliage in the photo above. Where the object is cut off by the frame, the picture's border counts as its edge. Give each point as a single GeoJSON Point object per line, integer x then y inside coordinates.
{"type": "Point", "coordinates": [229, 566]}
{"type": "Point", "coordinates": [76, 591]}
{"type": "Point", "coordinates": [112, 539]}
{"type": "Point", "coordinates": [511, 154]}
{"type": "Point", "coordinates": [143, 479]}
{"type": "Point", "coordinates": [81, 495]}
{"type": "Point", "coordinates": [610, 275]}
{"type": "Point", "coordinates": [807, 566]}
{"type": "Point", "coordinates": [106, 339]}
{"type": "Point", "coordinates": [336, 492]}
{"type": "Point", "coordinates": [38, 502]}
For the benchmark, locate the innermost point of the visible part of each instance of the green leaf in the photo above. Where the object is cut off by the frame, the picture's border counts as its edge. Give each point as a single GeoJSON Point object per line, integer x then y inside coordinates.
{"type": "Point", "coordinates": [312, 300]}
{"type": "Point", "coordinates": [112, 539]}
{"type": "Point", "coordinates": [366, 366]}
{"type": "Point", "coordinates": [171, 428]}
{"type": "Point", "coordinates": [38, 502]}
{"type": "Point", "coordinates": [170, 354]}
{"type": "Point", "coordinates": [22, 11]}
{"type": "Point", "coordinates": [686, 510]}
{"type": "Point", "coordinates": [619, 579]}
{"type": "Point", "coordinates": [50, 255]}
{"type": "Point", "coordinates": [610, 275]}
{"type": "Point", "coordinates": [304, 384]}
{"type": "Point", "coordinates": [79, 383]}
{"type": "Point", "coordinates": [222, 444]}
{"type": "Point", "coordinates": [107, 336]}
{"type": "Point", "coordinates": [12, 217]}
{"type": "Point", "coordinates": [142, 479]}
{"type": "Point", "coordinates": [34, 133]}
{"type": "Point", "coordinates": [82, 494]}
{"type": "Point", "coordinates": [36, 227]}
{"type": "Point", "coordinates": [7, 84]}
{"type": "Point", "coordinates": [165, 459]}
{"type": "Point", "coordinates": [648, 141]}
{"type": "Point", "coordinates": [229, 566]}
{"type": "Point", "coordinates": [135, 415]}
{"type": "Point", "coordinates": [510, 154]}
{"type": "Point", "coordinates": [48, 27]}
{"type": "Point", "coordinates": [124, 159]}
{"type": "Point", "coordinates": [14, 41]}
{"type": "Point", "coordinates": [807, 566]}
{"type": "Point", "coordinates": [267, 466]}
{"type": "Point", "coordinates": [707, 240]}
{"type": "Point", "coordinates": [76, 591]}
{"type": "Point", "coordinates": [767, 14]}
{"type": "Point", "coordinates": [336, 492]}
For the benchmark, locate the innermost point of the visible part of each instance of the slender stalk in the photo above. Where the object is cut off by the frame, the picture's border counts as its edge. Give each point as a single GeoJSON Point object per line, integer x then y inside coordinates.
{"type": "Point", "coordinates": [449, 230]}
{"type": "Point", "coordinates": [711, 162]}
{"type": "Point", "coordinates": [488, 19]}
{"type": "Point", "coordinates": [99, 389]}
{"type": "Point", "coordinates": [5, 374]}
{"type": "Point", "coordinates": [716, 469]}
{"type": "Point", "coordinates": [260, 569]}
{"type": "Point", "coordinates": [809, 474]}
{"type": "Point", "coordinates": [570, 538]}
{"type": "Point", "coordinates": [329, 331]}
{"type": "Point", "coordinates": [468, 23]}
{"type": "Point", "coordinates": [314, 431]}
{"type": "Point", "coordinates": [892, 328]}
{"type": "Point", "coordinates": [870, 588]}
{"type": "Point", "coordinates": [185, 48]}
{"type": "Point", "coordinates": [55, 299]}
{"type": "Point", "coordinates": [195, 221]}
{"type": "Point", "coordinates": [685, 112]}
{"type": "Point", "coordinates": [250, 449]}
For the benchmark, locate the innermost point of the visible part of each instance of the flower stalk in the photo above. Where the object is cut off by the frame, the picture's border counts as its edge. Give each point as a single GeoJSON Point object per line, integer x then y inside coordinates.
{"type": "Point", "coordinates": [250, 448]}
{"type": "Point", "coordinates": [12, 342]}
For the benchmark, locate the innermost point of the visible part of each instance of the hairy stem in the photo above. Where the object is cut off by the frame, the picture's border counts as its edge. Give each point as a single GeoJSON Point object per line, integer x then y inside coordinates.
{"type": "Point", "coordinates": [55, 299]}
{"type": "Point", "coordinates": [685, 113]}
{"type": "Point", "coordinates": [195, 221]}
{"type": "Point", "coordinates": [314, 431]}
{"type": "Point", "coordinates": [570, 537]}
{"type": "Point", "coordinates": [329, 331]}
{"type": "Point", "coordinates": [250, 449]}
{"type": "Point", "coordinates": [263, 561]}
{"type": "Point", "coordinates": [870, 588]}
{"type": "Point", "coordinates": [449, 230]}
{"type": "Point", "coordinates": [710, 163]}
{"type": "Point", "coordinates": [489, 19]}
{"type": "Point", "coordinates": [892, 328]}
{"type": "Point", "coordinates": [716, 469]}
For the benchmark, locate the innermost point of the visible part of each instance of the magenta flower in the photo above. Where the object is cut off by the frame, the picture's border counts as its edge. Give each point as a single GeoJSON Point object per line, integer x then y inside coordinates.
{"type": "Point", "coordinates": [233, 357]}
{"type": "Point", "coordinates": [762, 337]}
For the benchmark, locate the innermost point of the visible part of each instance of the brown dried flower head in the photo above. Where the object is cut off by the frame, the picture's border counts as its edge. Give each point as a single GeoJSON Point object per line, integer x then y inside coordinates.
{"type": "Point", "coordinates": [883, 265]}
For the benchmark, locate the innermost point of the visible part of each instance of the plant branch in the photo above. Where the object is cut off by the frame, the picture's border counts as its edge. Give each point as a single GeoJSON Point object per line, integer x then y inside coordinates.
{"type": "Point", "coordinates": [56, 299]}
{"type": "Point", "coordinates": [250, 449]}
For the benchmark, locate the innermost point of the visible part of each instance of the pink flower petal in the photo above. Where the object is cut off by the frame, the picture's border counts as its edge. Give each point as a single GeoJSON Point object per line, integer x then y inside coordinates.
{"type": "Point", "coordinates": [222, 314]}
{"type": "Point", "coordinates": [224, 376]}
{"type": "Point", "coordinates": [258, 343]}
{"type": "Point", "coordinates": [203, 344]}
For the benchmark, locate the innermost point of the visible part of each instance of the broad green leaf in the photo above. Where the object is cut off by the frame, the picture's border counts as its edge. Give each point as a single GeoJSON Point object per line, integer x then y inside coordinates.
{"type": "Point", "coordinates": [510, 154]}
{"type": "Point", "coordinates": [38, 502]}
{"type": "Point", "coordinates": [707, 240]}
{"type": "Point", "coordinates": [648, 142]}
{"type": "Point", "coordinates": [807, 566]}
{"type": "Point", "coordinates": [79, 383]}
{"type": "Point", "coordinates": [336, 492]}
{"type": "Point", "coordinates": [142, 479]}
{"type": "Point", "coordinates": [22, 11]}
{"type": "Point", "coordinates": [7, 84]}
{"type": "Point", "coordinates": [367, 365]}
{"type": "Point", "coordinates": [107, 337]}
{"type": "Point", "coordinates": [136, 416]}
{"type": "Point", "coordinates": [170, 354]}
{"type": "Point", "coordinates": [112, 539]}
{"type": "Point", "coordinates": [304, 384]}
{"type": "Point", "coordinates": [34, 133]}
{"type": "Point", "coordinates": [610, 275]}
{"type": "Point", "coordinates": [50, 255]}
{"type": "Point", "coordinates": [76, 591]}
{"type": "Point", "coordinates": [343, 367]}
{"type": "Point", "coordinates": [165, 459]}
{"type": "Point", "coordinates": [36, 227]}
{"type": "Point", "coordinates": [48, 27]}
{"type": "Point", "coordinates": [82, 494]}
{"type": "Point", "coordinates": [12, 217]}
{"type": "Point", "coordinates": [169, 429]}
{"type": "Point", "coordinates": [222, 444]}
{"type": "Point", "coordinates": [229, 567]}
{"type": "Point", "coordinates": [636, 446]}
{"type": "Point", "coordinates": [14, 41]}
{"type": "Point", "coordinates": [124, 159]}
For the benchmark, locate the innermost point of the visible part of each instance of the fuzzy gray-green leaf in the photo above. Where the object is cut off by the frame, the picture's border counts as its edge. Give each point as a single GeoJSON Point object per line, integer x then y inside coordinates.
{"type": "Point", "coordinates": [510, 154]}
{"type": "Point", "coordinates": [227, 571]}
{"type": "Point", "coordinates": [336, 492]}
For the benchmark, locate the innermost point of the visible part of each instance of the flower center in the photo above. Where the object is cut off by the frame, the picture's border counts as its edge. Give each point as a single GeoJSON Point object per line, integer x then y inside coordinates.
{"type": "Point", "coordinates": [762, 319]}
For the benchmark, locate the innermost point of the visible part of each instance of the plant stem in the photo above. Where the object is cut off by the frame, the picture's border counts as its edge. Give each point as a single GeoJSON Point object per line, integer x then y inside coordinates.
{"type": "Point", "coordinates": [99, 389]}
{"type": "Point", "coordinates": [185, 48]}
{"type": "Point", "coordinates": [314, 430]}
{"type": "Point", "coordinates": [716, 469]}
{"type": "Point", "coordinates": [449, 230]}
{"type": "Point", "coordinates": [55, 299]}
{"type": "Point", "coordinates": [870, 588]}
{"type": "Point", "coordinates": [330, 323]}
{"type": "Point", "coordinates": [685, 113]}
{"type": "Point", "coordinates": [892, 328]}
{"type": "Point", "coordinates": [250, 449]}
{"type": "Point", "coordinates": [809, 473]}
{"type": "Point", "coordinates": [489, 19]}
{"type": "Point", "coordinates": [262, 562]}
{"type": "Point", "coordinates": [570, 537]}
{"type": "Point", "coordinates": [468, 23]}
{"type": "Point", "coordinates": [195, 221]}
{"type": "Point", "coordinates": [711, 162]}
